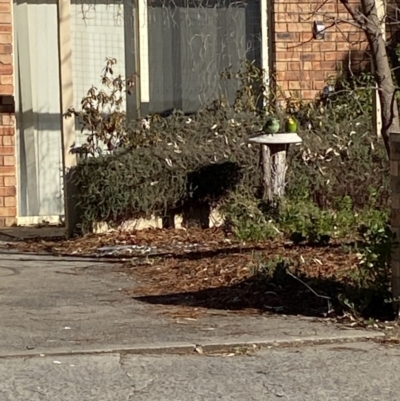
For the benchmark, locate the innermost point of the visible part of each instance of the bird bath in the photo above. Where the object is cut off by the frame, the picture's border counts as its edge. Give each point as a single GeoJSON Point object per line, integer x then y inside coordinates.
{"type": "Point", "coordinates": [274, 149]}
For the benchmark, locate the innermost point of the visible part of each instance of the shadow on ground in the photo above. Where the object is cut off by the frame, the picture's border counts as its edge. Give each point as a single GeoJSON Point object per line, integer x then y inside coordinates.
{"type": "Point", "coordinates": [284, 293]}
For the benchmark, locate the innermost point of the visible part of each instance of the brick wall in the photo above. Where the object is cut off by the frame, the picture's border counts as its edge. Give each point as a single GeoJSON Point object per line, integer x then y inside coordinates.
{"type": "Point", "coordinates": [303, 64]}
{"type": "Point", "coordinates": [7, 119]}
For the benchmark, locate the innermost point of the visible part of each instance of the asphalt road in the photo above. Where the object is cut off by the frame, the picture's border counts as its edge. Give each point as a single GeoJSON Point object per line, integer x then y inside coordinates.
{"type": "Point", "coordinates": [356, 372]}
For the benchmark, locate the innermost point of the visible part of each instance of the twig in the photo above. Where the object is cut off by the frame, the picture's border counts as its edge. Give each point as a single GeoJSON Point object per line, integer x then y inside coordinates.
{"type": "Point", "coordinates": [302, 282]}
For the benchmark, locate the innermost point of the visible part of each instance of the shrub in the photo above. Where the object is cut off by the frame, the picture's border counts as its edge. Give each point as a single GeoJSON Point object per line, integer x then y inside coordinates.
{"type": "Point", "coordinates": [178, 161]}
{"type": "Point", "coordinates": [340, 156]}
{"type": "Point", "coordinates": [245, 218]}
{"type": "Point", "coordinates": [198, 160]}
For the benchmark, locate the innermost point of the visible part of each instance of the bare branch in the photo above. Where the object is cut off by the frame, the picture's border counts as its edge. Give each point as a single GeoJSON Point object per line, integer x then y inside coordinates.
{"type": "Point", "coordinates": [352, 12]}
{"type": "Point", "coordinates": [337, 21]}
{"type": "Point", "coordinates": [320, 6]}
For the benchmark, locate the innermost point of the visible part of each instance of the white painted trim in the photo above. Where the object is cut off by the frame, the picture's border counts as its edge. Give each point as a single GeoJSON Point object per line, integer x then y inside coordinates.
{"type": "Point", "coordinates": [377, 119]}
{"type": "Point", "coordinates": [35, 220]}
{"type": "Point", "coordinates": [16, 102]}
{"type": "Point", "coordinates": [68, 133]}
{"type": "Point", "coordinates": [143, 33]}
{"type": "Point", "coordinates": [265, 50]}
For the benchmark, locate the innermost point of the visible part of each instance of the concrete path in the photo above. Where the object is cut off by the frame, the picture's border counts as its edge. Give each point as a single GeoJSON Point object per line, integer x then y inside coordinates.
{"type": "Point", "coordinates": [19, 233]}
{"type": "Point", "coordinates": [58, 305]}
{"type": "Point", "coordinates": [355, 372]}
{"type": "Point", "coordinates": [68, 332]}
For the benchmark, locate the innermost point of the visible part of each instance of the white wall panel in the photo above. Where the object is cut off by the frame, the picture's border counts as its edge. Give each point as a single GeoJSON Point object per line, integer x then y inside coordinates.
{"type": "Point", "coordinates": [37, 109]}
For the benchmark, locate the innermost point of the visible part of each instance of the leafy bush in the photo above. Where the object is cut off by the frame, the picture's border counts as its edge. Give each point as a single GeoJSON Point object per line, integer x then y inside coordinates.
{"type": "Point", "coordinates": [367, 288]}
{"type": "Point", "coordinates": [165, 163]}
{"type": "Point", "coordinates": [330, 165]}
{"type": "Point", "coordinates": [245, 218]}
{"type": "Point", "coordinates": [175, 162]}
{"type": "Point", "coordinates": [199, 160]}
{"type": "Point", "coordinates": [340, 156]}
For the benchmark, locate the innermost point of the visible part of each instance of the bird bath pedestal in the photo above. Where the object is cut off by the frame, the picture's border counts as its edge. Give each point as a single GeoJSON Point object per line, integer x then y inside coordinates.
{"type": "Point", "coordinates": [274, 148]}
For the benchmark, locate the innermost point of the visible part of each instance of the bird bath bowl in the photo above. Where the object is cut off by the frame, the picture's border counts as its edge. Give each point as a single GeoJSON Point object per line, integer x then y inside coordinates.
{"type": "Point", "coordinates": [274, 148]}
{"type": "Point", "coordinates": [274, 139]}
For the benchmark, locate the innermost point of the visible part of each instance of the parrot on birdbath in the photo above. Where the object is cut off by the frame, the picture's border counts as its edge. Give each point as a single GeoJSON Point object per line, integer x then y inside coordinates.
{"type": "Point", "coordinates": [291, 125]}
{"type": "Point", "coordinates": [271, 125]}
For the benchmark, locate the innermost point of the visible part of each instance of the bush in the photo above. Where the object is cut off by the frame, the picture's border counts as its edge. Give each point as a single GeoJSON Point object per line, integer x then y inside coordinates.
{"type": "Point", "coordinates": [199, 160]}
{"type": "Point", "coordinates": [340, 156]}
{"type": "Point", "coordinates": [340, 161]}
{"type": "Point", "coordinates": [367, 288]}
{"type": "Point", "coordinates": [166, 163]}
{"type": "Point", "coordinates": [245, 218]}
{"type": "Point", "coordinates": [177, 161]}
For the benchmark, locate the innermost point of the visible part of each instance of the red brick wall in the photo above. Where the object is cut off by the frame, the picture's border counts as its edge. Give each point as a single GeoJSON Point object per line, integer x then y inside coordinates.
{"type": "Point", "coordinates": [7, 119]}
{"type": "Point", "coordinates": [303, 64]}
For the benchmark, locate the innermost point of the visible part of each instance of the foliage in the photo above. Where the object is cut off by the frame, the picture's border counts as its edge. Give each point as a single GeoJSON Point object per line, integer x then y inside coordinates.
{"type": "Point", "coordinates": [201, 164]}
{"type": "Point", "coordinates": [377, 244]}
{"type": "Point", "coordinates": [306, 222]}
{"type": "Point", "coordinates": [102, 117]}
{"type": "Point", "coordinates": [340, 156]}
{"type": "Point", "coordinates": [352, 96]}
{"type": "Point", "coordinates": [367, 289]}
{"type": "Point", "coordinates": [245, 218]}
{"type": "Point", "coordinates": [276, 269]}
{"type": "Point", "coordinates": [171, 162]}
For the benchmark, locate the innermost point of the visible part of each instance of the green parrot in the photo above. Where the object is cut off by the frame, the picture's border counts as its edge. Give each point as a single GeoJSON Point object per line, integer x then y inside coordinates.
{"type": "Point", "coordinates": [291, 125]}
{"type": "Point", "coordinates": [271, 125]}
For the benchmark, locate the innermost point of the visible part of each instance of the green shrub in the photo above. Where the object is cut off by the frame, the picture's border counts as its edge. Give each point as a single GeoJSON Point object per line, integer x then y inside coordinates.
{"type": "Point", "coordinates": [244, 217]}
{"type": "Point", "coordinates": [367, 287]}
{"type": "Point", "coordinates": [340, 156]}
{"type": "Point", "coordinates": [179, 161]}
{"type": "Point", "coordinates": [176, 162]}
{"type": "Point", "coordinates": [199, 160]}
{"type": "Point", "coordinates": [343, 160]}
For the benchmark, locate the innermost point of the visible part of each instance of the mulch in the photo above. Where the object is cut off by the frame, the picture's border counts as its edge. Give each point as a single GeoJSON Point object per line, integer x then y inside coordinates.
{"type": "Point", "coordinates": [236, 280]}
{"type": "Point", "coordinates": [198, 270]}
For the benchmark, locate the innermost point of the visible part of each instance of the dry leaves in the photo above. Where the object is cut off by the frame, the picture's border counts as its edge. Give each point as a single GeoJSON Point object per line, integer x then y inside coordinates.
{"type": "Point", "coordinates": [199, 270]}
{"type": "Point", "coordinates": [160, 242]}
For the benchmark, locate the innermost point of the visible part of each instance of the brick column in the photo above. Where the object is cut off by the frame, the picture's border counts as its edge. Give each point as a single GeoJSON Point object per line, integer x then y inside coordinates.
{"type": "Point", "coordinates": [395, 215]}
{"type": "Point", "coordinates": [7, 119]}
{"type": "Point", "coordinates": [303, 64]}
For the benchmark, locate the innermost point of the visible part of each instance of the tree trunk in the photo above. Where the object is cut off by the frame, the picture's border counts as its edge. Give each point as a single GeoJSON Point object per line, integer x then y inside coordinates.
{"type": "Point", "coordinates": [266, 168]}
{"type": "Point", "coordinates": [273, 164]}
{"type": "Point", "coordinates": [279, 169]}
{"type": "Point", "coordinates": [382, 71]}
